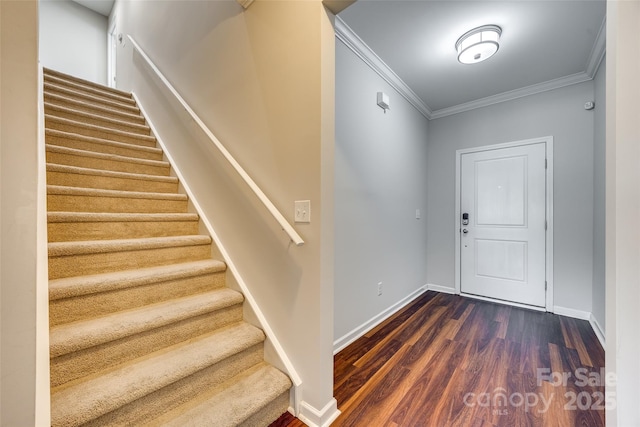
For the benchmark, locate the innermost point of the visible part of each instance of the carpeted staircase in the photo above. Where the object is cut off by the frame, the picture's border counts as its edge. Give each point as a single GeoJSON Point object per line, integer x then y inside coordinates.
{"type": "Point", "coordinates": [143, 329]}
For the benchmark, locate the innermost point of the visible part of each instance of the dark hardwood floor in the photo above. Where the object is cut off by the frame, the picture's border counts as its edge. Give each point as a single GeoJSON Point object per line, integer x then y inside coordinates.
{"type": "Point", "coordinates": [446, 360]}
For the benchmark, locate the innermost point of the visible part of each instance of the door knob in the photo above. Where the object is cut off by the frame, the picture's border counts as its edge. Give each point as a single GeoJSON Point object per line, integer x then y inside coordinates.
{"type": "Point", "coordinates": [465, 231]}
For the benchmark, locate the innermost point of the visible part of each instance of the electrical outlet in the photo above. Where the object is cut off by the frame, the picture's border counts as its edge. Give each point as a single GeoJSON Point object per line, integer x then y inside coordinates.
{"type": "Point", "coordinates": [379, 288]}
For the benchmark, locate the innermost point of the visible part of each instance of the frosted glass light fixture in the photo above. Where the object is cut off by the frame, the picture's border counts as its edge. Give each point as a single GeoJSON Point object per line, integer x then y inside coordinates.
{"type": "Point", "coordinates": [478, 44]}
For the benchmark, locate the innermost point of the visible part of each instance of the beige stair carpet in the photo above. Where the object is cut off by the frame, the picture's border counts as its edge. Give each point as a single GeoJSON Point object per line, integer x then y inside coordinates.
{"type": "Point", "coordinates": [143, 330]}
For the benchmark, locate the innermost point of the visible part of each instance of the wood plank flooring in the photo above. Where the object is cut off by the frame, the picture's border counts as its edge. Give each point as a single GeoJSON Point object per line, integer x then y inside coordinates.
{"type": "Point", "coordinates": [446, 360]}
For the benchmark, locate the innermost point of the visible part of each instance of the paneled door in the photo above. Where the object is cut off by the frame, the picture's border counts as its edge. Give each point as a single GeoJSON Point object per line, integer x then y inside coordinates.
{"type": "Point", "coordinates": [503, 210]}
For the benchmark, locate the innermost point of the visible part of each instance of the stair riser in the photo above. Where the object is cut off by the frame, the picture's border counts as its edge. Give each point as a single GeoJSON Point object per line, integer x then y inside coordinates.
{"type": "Point", "coordinates": [103, 148]}
{"type": "Point", "coordinates": [151, 406]}
{"type": "Point", "coordinates": [269, 413]}
{"type": "Point", "coordinates": [105, 164]}
{"type": "Point", "coordinates": [110, 183]}
{"type": "Point", "coordinates": [87, 87]}
{"type": "Point", "coordinates": [100, 304]}
{"type": "Point", "coordinates": [69, 203]}
{"type": "Point", "coordinates": [122, 113]}
{"type": "Point", "coordinates": [85, 362]}
{"type": "Point", "coordinates": [99, 133]}
{"type": "Point", "coordinates": [75, 231]}
{"type": "Point", "coordinates": [85, 96]}
{"type": "Point", "coordinates": [95, 263]}
{"type": "Point", "coordinates": [98, 121]}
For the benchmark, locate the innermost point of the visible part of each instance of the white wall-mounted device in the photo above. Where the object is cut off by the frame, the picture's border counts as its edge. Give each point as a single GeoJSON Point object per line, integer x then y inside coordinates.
{"type": "Point", "coordinates": [383, 101]}
{"type": "Point", "coordinates": [302, 211]}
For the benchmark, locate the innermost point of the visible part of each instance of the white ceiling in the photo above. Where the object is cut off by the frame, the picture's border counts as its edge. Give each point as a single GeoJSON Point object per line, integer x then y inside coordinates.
{"type": "Point", "coordinates": [544, 44]}
{"type": "Point", "coordinates": [103, 7]}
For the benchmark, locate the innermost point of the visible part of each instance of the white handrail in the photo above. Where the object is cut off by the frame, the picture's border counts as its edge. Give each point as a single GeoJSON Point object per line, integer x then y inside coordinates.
{"type": "Point", "coordinates": [293, 235]}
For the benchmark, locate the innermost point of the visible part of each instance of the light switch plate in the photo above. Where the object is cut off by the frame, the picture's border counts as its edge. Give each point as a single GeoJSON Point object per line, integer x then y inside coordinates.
{"type": "Point", "coordinates": [302, 211]}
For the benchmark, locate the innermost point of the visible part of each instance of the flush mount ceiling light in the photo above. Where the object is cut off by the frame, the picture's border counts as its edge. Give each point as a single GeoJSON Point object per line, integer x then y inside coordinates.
{"type": "Point", "coordinates": [478, 44]}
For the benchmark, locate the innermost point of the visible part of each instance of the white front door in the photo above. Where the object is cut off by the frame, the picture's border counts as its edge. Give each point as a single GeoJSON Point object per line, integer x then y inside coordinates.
{"type": "Point", "coordinates": [502, 246]}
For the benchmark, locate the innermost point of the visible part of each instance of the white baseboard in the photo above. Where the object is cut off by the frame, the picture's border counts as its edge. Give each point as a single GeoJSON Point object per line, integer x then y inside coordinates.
{"type": "Point", "coordinates": [319, 418]}
{"type": "Point", "coordinates": [439, 288]}
{"type": "Point", "coordinates": [356, 333]}
{"type": "Point", "coordinates": [570, 312]}
{"type": "Point", "coordinates": [597, 329]}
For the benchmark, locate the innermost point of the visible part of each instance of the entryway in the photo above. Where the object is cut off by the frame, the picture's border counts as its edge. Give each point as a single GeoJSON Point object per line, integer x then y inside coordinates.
{"type": "Point", "coordinates": [503, 230]}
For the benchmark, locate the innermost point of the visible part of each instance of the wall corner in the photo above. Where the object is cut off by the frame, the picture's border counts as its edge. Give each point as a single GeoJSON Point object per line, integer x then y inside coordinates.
{"type": "Point", "coordinates": [319, 417]}
{"type": "Point", "coordinates": [245, 3]}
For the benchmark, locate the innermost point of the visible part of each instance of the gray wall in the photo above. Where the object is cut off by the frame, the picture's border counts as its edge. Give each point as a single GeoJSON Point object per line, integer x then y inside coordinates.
{"type": "Point", "coordinates": [73, 39]}
{"type": "Point", "coordinates": [559, 113]}
{"type": "Point", "coordinates": [380, 181]}
{"type": "Point", "coordinates": [599, 289]}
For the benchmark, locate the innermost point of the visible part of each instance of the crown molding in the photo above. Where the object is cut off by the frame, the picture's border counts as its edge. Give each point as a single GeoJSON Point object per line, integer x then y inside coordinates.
{"type": "Point", "coordinates": [513, 94]}
{"type": "Point", "coordinates": [347, 36]}
{"type": "Point", "coordinates": [598, 51]}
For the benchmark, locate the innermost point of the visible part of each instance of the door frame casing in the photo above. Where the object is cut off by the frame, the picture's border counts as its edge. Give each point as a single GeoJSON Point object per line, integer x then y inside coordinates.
{"type": "Point", "coordinates": [112, 52]}
{"type": "Point", "coordinates": [548, 141]}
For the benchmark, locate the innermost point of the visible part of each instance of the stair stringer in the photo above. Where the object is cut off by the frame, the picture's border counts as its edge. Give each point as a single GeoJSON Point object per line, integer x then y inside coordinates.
{"type": "Point", "coordinates": [252, 312]}
{"type": "Point", "coordinates": [43, 375]}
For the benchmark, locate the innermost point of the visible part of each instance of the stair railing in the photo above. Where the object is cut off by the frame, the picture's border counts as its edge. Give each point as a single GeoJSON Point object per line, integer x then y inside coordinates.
{"type": "Point", "coordinates": [293, 235]}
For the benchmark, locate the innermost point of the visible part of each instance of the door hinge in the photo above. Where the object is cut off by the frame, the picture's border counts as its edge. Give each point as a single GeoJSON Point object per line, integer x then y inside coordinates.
{"type": "Point", "coordinates": [545, 163]}
{"type": "Point", "coordinates": [545, 285]}
{"type": "Point", "coordinates": [546, 225]}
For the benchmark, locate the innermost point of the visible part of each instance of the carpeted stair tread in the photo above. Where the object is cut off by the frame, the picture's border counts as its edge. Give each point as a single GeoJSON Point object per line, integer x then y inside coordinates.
{"type": "Point", "coordinates": [75, 170]}
{"type": "Point", "coordinates": [58, 249]}
{"type": "Point", "coordinates": [78, 199]}
{"type": "Point", "coordinates": [107, 157]}
{"type": "Point", "coordinates": [231, 403]}
{"type": "Point", "coordinates": [96, 192]}
{"type": "Point", "coordinates": [66, 226]}
{"type": "Point", "coordinates": [53, 135]}
{"type": "Point", "coordinates": [86, 399]}
{"type": "Point", "coordinates": [109, 174]}
{"type": "Point", "coordinates": [55, 217]}
{"type": "Point", "coordinates": [53, 75]}
{"type": "Point", "coordinates": [82, 258]}
{"type": "Point", "coordinates": [88, 129]}
{"type": "Point", "coordinates": [84, 86]}
{"type": "Point", "coordinates": [87, 96]}
{"type": "Point", "coordinates": [95, 119]}
{"type": "Point", "coordinates": [78, 126]}
{"type": "Point", "coordinates": [107, 282]}
{"type": "Point", "coordinates": [80, 335]}
{"type": "Point", "coordinates": [131, 113]}
{"type": "Point", "coordinates": [77, 179]}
